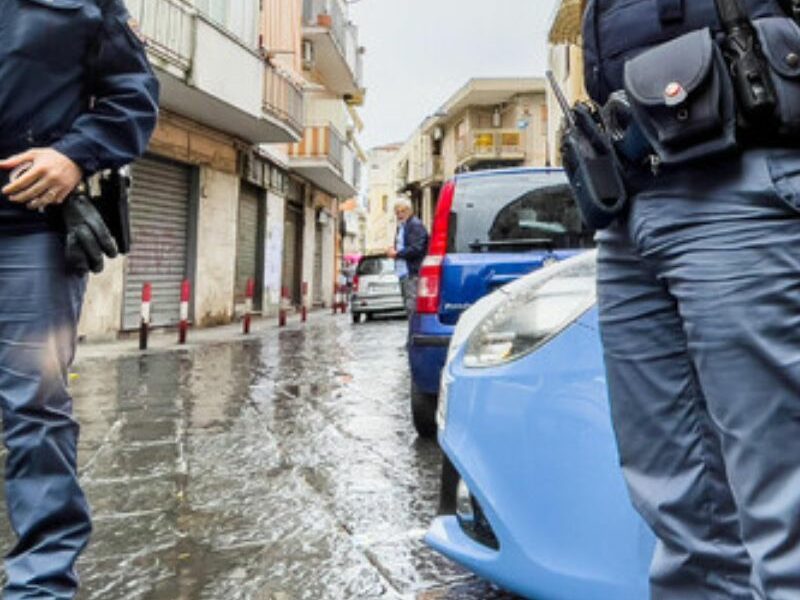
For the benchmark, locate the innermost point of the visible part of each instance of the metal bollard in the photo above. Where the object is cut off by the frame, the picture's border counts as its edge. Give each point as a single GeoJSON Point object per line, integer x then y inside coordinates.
{"type": "Point", "coordinates": [304, 309]}
{"type": "Point", "coordinates": [144, 324]}
{"type": "Point", "coordinates": [248, 305]}
{"type": "Point", "coordinates": [183, 328]}
{"type": "Point", "coordinates": [283, 307]}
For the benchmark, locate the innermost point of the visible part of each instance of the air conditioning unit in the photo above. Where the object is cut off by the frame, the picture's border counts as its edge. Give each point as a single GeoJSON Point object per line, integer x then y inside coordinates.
{"type": "Point", "coordinates": [308, 54]}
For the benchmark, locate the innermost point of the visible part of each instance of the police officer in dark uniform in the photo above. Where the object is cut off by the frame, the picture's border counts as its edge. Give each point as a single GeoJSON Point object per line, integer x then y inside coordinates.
{"type": "Point", "coordinates": [77, 96]}
{"type": "Point", "coordinates": [699, 293]}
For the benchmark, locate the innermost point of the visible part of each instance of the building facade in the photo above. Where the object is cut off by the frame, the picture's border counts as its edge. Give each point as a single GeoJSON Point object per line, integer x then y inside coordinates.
{"type": "Point", "coordinates": [488, 123]}
{"type": "Point", "coordinates": [212, 199]}
{"type": "Point", "coordinates": [381, 195]}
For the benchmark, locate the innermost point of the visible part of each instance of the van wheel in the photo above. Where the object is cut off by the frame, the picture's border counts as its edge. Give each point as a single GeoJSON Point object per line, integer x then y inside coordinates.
{"type": "Point", "coordinates": [356, 318]}
{"type": "Point", "coordinates": [423, 412]}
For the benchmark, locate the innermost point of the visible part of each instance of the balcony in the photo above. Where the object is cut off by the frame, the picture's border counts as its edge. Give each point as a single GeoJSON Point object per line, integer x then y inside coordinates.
{"type": "Point", "coordinates": [283, 98]}
{"type": "Point", "coordinates": [494, 145]}
{"type": "Point", "coordinates": [320, 157]}
{"type": "Point", "coordinates": [432, 171]}
{"type": "Point", "coordinates": [336, 54]}
{"type": "Point", "coordinates": [170, 31]}
{"type": "Point", "coordinates": [196, 58]}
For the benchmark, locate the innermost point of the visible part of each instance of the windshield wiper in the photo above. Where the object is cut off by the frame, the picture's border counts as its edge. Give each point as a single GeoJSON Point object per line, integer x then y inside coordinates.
{"type": "Point", "coordinates": [546, 243]}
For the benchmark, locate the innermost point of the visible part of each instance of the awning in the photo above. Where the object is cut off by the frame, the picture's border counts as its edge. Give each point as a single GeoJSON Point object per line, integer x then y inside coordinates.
{"type": "Point", "coordinates": [566, 27]}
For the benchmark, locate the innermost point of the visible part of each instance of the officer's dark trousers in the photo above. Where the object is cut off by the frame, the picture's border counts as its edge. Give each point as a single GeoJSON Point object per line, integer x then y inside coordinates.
{"type": "Point", "coordinates": [39, 309]}
{"type": "Point", "coordinates": [700, 313]}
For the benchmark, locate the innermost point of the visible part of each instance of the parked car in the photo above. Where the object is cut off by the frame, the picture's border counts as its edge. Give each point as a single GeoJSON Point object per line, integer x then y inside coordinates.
{"type": "Point", "coordinates": [533, 497]}
{"type": "Point", "coordinates": [490, 228]}
{"type": "Point", "coordinates": [376, 288]}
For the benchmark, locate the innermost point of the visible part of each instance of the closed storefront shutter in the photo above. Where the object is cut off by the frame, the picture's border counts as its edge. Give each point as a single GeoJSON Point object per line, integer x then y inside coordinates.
{"type": "Point", "coordinates": [247, 243]}
{"type": "Point", "coordinates": [160, 198]}
{"type": "Point", "coordinates": [292, 255]}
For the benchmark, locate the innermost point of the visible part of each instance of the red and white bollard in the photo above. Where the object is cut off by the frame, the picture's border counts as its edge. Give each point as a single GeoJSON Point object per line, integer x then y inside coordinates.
{"type": "Point", "coordinates": [284, 306]}
{"type": "Point", "coordinates": [183, 328]}
{"type": "Point", "coordinates": [248, 305]}
{"type": "Point", "coordinates": [304, 308]}
{"type": "Point", "coordinates": [144, 324]}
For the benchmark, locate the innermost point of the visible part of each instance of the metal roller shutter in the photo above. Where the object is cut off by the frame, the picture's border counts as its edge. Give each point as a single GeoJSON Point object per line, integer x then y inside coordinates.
{"type": "Point", "coordinates": [160, 196]}
{"type": "Point", "coordinates": [292, 236]}
{"type": "Point", "coordinates": [247, 237]}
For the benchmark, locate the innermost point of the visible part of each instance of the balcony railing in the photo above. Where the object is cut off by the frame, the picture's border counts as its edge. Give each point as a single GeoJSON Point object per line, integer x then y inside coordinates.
{"type": "Point", "coordinates": [329, 14]}
{"type": "Point", "coordinates": [283, 97]}
{"type": "Point", "coordinates": [487, 144]}
{"type": "Point", "coordinates": [168, 26]}
{"type": "Point", "coordinates": [320, 142]}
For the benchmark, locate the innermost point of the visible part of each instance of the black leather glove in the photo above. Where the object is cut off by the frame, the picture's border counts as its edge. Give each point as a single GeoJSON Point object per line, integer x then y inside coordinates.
{"type": "Point", "coordinates": [88, 238]}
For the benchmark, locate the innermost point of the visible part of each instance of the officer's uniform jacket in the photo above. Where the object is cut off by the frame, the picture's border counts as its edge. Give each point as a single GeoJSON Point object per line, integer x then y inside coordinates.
{"type": "Point", "coordinates": [74, 75]}
{"type": "Point", "coordinates": [616, 30]}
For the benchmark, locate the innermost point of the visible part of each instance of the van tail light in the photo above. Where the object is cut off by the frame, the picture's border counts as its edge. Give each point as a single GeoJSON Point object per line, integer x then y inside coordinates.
{"type": "Point", "coordinates": [430, 274]}
{"type": "Point", "coordinates": [355, 283]}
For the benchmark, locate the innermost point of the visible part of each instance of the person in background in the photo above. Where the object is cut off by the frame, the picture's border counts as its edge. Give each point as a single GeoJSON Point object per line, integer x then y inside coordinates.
{"type": "Point", "coordinates": [411, 245]}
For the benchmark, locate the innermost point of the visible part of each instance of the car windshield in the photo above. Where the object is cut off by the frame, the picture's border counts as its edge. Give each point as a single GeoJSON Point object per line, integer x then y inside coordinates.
{"type": "Point", "coordinates": [380, 265]}
{"type": "Point", "coordinates": [507, 213]}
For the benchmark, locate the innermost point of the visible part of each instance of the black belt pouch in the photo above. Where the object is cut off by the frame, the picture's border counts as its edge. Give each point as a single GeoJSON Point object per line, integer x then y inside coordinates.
{"type": "Point", "coordinates": [780, 41]}
{"type": "Point", "coordinates": [682, 98]}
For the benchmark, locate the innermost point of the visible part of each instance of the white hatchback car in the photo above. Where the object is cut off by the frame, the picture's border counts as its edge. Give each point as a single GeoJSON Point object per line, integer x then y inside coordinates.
{"type": "Point", "coordinates": [376, 288]}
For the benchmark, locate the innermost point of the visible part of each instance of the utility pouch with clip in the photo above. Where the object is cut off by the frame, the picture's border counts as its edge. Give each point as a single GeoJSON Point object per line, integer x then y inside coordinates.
{"type": "Point", "coordinates": [779, 38]}
{"type": "Point", "coordinates": [682, 98]}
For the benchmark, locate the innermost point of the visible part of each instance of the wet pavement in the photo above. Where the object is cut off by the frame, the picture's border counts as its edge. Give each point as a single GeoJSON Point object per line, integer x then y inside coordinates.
{"type": "Point", "coordinates": [284, 467]}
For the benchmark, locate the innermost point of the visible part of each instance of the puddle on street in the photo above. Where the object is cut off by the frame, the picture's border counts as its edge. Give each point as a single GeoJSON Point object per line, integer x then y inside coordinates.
{"type": "Point", "coordinates": [279, 468]}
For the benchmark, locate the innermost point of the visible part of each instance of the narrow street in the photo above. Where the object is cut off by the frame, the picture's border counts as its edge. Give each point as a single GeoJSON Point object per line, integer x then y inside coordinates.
{"type": "Point", "coordinates": [283, 467]}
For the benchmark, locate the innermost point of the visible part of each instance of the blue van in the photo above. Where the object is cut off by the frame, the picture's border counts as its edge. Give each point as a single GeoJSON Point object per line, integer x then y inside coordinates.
{"type": "Point", "coordinates": [490, 228]}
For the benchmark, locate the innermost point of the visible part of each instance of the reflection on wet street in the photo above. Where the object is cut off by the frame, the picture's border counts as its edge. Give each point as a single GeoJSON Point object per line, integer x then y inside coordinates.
{"type": "Point", "coordinates": [283, 467]}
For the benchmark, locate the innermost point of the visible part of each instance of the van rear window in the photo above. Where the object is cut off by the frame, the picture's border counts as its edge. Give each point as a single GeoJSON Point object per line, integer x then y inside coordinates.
{"type": "Point", "coordinates": [513, 213]}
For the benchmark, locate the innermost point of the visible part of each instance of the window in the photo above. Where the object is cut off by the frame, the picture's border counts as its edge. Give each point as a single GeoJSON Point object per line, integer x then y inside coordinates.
{"type": "Point", "coordinates": [510, 213]}
{"type": "Point", "coordinates": [385, 203]}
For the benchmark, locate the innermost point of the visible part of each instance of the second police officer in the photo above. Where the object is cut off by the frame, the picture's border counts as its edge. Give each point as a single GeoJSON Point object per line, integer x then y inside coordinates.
{"type": "Point", "coordinates": [699, 286]}
{"type": "Point", "coordinates": [77, 96]}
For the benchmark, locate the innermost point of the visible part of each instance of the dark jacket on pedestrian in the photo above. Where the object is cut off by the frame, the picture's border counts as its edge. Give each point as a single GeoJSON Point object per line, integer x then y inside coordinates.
{"type": "Point", "coordinates": [416, 244]}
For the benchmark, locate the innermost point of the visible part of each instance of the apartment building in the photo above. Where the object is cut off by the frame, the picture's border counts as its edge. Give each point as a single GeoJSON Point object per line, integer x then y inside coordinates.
{"type": "Point", "coordinates": [221, 194]}
{"type": "Point", "coordinates": [488, 123]}
{"type": "Point", "coordinates": [325, 164]}
{"type": "Point", "coordinates": [381, 195]}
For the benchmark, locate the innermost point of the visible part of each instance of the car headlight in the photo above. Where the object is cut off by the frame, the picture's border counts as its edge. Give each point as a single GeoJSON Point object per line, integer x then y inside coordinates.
{"type": "Point", "coordinates": [534, 311]}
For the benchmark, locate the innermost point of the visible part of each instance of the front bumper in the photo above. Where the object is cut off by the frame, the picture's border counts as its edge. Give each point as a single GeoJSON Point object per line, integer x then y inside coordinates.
{"type": "Point", "coordinates": [534, 444]}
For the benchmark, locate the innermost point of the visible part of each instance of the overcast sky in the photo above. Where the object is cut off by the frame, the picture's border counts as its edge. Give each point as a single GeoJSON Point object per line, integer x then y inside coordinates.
{"type": "Point", "coordinates": [419, 52]}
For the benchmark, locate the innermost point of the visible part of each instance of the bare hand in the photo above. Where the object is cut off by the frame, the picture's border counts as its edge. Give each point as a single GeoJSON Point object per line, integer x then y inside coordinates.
{"type": "Point", "coordinates": [391, 253]}
{"type": "Point", "coordinates": [49, 180]}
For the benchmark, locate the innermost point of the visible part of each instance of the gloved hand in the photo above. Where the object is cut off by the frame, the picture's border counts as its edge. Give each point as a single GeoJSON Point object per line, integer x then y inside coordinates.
{"type": "Point", "coordinates": [88, 238]}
